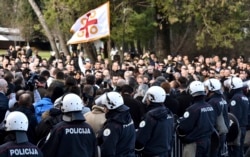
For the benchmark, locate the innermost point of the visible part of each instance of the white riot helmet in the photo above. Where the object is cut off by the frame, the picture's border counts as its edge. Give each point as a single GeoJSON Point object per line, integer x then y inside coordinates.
{"type": "Point", "coordinates": [213, 84]}
{"type": "Point", "coordinates": [18, 122]}
{"type": "Point", "coordinates": [196, 88]}
{"type": "Point", "coordinates": [155, 94]}
{"type": "Point", "coordinates": [234, 83]}
{"type": "Point", "coordinates": [112, 100]}
{"type": "Point", "coordinates": [72, 106]}
{"type": "Point", "coordinates": [71, 103]}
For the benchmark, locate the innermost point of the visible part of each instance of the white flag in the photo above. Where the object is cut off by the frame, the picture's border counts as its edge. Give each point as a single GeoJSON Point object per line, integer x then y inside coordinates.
{"type": "Point", "coordinates": [93, 25]}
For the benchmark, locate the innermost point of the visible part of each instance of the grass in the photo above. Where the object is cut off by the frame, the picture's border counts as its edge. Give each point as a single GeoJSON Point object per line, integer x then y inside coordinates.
{"type": "Point", "coordinates": [43, 54]}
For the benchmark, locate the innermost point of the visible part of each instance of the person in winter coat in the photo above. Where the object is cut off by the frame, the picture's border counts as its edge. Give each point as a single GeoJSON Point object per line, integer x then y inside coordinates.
{"type": "Point", "coordinates": [239, 106]}
{"type": "Point", "coordinates": [156, 131]}
{"type": "Point", "coordinates": [216, 99]}
{"type": "Point", "coordinates": [96, 118]}
{"type": "Point", "coordinates": [117, 137]}
{"type": "Point", "coordinates": [196, 126]}
{"type": "Point", "coordinates": [72, 137]}
{"type": "Point", "coordinates": [17, 143]}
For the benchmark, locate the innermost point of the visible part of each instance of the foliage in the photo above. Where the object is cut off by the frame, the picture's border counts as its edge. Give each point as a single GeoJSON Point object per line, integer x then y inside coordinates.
{"type": "Point", "coordinates": [213, 23]}
{"type": "Point", "coordinates": [132, 22]}
{"type": "Point", "coordinates": [217, 23]}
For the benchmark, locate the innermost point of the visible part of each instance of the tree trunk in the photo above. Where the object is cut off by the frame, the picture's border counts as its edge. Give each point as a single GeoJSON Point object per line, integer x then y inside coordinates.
{"type": "Point", "coordinates": [62, 42]}
{"type": "Point", "coordinates": [163, 41]}
{"type": "Point", "coordinates": [89, 50]}
{"type": "Point", "coordinates": [44, 25]}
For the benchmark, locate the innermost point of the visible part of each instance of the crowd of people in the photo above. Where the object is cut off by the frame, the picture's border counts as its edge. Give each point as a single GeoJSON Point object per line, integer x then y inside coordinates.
{"type": "Point", "coordinates": [72, 106]}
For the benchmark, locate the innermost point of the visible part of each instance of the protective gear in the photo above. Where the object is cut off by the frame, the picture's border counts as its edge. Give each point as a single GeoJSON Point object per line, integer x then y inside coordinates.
{"type": "Point", "coordinates": [196, 88]}
{"type": "Point", "coordinates": [155, 94]}
{"type": "Point", "coordinates": [71, 103]}
{"type": "Point", "coordinates": [234, 130]}
{"type": "Point", "coordinates": [72, 106]}
{"type": "Point", "coordinates": [112, 100]}
{"type": "Point", "coordinates": [70, 139]}
{"type": "Point", "coordinates": [213, 84]}
{"type": "Point", "coordinates": [234, 83]}
{"type": "Point", "coordinates": [155, 133]}
{"type": "Point", "coordinates": [117, 136]}
{"type": "Point", "coordinates": [16, 121]}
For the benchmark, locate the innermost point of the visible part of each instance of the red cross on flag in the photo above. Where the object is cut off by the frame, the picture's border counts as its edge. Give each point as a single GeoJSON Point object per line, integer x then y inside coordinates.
{"type": "Point", "coordinates": [93, 25]}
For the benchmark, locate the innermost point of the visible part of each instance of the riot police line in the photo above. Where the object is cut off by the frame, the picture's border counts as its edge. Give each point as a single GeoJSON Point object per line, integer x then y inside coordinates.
{"type": "Point", "coordinates": [211, 126]}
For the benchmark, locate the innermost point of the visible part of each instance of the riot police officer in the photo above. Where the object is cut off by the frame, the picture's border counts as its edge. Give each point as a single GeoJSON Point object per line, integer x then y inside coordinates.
{"type": "Point", "coordinates": [72, 137]}
{"type": "Point", "coordinates": [16, 125]}
{"type": "Point", "coordinates": [197, 124]}
{"type": "Point", "coordinates": [156, 131]}
{"type": "Point", "coordinates": [117, 137]}
{"type": "Point", "coordinates": [239, 106]}
{"type": "Point", "coordinates": [216, 99]}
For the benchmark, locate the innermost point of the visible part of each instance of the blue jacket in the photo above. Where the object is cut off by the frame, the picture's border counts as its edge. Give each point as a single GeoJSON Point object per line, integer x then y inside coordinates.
{"type": "Point", "coordinates": [41, 106]}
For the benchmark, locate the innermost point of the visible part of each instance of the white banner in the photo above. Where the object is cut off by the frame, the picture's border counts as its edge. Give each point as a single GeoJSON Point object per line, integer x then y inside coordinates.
{"type": "Point", "coordinates": [91, 26]}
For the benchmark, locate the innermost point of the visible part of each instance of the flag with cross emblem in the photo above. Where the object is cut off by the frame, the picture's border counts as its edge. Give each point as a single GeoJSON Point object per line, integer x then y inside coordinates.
{"type": "Point", "coordinates": [93, 25]}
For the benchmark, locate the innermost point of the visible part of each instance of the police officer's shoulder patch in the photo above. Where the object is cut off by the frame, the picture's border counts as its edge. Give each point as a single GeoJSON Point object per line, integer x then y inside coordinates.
{"type": "Point", "coordinates": [233, 103]}
{"type": "Point", "coordinates": [106, 132]}
{"type": "Point", "coordinates": [142, 124]}
{"type": "Point", "coordinates": [186, 114]}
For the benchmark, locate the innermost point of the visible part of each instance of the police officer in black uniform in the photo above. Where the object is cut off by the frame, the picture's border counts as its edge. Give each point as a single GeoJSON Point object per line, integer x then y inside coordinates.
{"type": "Point", "coordinates": [216, 99]}
{"type": "Point", "coordinates": [72, 137]}
{"type": "Point", "coordinates": [16, 125]}
{"type": "Point", "coordinates": [155, 134]}
{"type": "Point", "coordinates": [117, 138]}
{"type": "Point", "coordinates": [239, 105]}
{"type": "Point", "coordinates": [197, 124]}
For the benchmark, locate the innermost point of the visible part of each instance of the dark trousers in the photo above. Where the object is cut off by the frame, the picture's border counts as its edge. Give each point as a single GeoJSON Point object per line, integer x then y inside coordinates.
{"type": "Point", "coordinates": [202, 149]}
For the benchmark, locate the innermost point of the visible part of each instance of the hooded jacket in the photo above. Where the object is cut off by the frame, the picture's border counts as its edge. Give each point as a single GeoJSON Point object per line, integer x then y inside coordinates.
{"type": "Point", "coordinates": [156, 131]}
{"type": "Point", "coordinates": [117, 138]}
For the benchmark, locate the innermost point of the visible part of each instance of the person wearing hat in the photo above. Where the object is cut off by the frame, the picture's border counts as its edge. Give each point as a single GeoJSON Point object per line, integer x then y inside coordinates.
{"type": "Point", "coordinates": [117, 138]}
{"type": "Point", "coordinates": [216, 99]}
{"type": "Point", "coordinates": [16, 126]}
{"type": "Point", "coordinates": [72, 137]}
{"type": "Point", "coordinates": [196, 126]}
{"type": "Point", "coordinates": [154, 137]}
{"type": "Point", "coordinates": [239, 106]}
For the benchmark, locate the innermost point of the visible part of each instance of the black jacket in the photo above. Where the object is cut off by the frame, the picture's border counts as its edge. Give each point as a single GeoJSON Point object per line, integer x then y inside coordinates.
{"type": "Point", "coordinates": [117, 138]}
{"type": "Point", "coordinates": [44, 127]}
{"type": "Point", "coordinates": [239, 106]}
{"type": "Point", "coordinates": [156, 132]}
{"type": "Point", "coordinates": [4, 106]}
{"type": "Point", "coordinates": [30, 113]}
{"type": "Point", "coordinates": [220, 106]}
{"type": "Point", "coordinates": [134, 109]}
{"type": "Point", "coordinates": [24, 149]}
{"type": "Point", "coordinates": [198, 121]}
{"type": "Point", "coordinates": [70, 139]}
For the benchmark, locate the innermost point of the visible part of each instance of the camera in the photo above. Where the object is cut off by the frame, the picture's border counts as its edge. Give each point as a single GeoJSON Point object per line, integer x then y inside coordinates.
{"type": "Point", "coordinates": [30, 84]}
